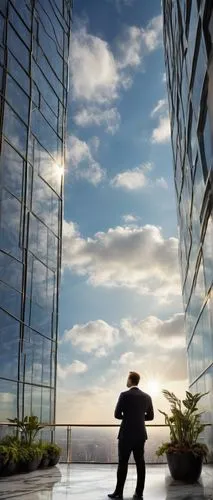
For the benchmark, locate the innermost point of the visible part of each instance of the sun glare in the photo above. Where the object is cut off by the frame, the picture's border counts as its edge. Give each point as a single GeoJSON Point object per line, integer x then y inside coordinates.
{"type": "Point", "coordinates": [153, 387]}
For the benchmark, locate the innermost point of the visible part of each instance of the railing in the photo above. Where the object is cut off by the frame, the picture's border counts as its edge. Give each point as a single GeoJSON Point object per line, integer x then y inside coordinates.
{"type": "Point", "coordinates": [97, 443]}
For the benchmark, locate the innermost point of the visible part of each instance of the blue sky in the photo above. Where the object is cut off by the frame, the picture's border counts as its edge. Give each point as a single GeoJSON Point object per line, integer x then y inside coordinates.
{"type": "Point", "coordinates": [120, 303]}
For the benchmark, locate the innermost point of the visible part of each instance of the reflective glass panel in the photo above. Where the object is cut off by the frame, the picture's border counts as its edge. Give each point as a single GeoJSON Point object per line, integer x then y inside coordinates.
{"type": "Point", "coordinates": [12, 170]}
{"type": "Point", "coordinates": [9, 340]}
{"type": "Point", "coordinates": [18, 48]}
{"type": "Point", "coordinates": [15, 130]}
{"type": "Point", "coordinates": [10, 226]}
{"type": "Point", "coordinates": [8, 400]}
{"type": "Point", "coordinates": [17, 98]}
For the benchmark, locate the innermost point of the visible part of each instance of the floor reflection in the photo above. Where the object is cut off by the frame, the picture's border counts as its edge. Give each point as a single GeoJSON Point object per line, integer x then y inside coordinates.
{"type": "Point", "coordinates": [177, 490]}
{"type": "Point", "coordinates": [93, 482]}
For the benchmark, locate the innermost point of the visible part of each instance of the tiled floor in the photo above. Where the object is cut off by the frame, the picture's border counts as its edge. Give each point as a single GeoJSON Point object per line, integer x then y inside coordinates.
{"type": "Point", "coordinates": [93, 482]}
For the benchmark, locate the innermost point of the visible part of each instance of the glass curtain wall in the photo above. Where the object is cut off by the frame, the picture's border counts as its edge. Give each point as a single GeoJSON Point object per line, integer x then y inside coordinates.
{"type": "Point", "coordinates": [34, 47]}
{"type": "Point", "coordinates": [188, 43]}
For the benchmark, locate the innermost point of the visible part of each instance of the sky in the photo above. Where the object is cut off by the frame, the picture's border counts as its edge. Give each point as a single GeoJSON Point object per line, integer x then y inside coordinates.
{"type": "Point", "coordinates": [120, 301]}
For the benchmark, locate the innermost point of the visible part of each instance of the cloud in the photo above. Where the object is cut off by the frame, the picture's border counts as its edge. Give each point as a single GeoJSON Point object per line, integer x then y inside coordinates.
{"type": "Point", "coordinates": [152, 34]}
{"type": "Point", "coordinates": [168, 334]}
{"type": "Point", "coordinates": [98, 74]}
{"type": "Point", "coordinates": [7, 397]}
{"type": "Point", "coordinates": [161, 182]}
{"type": "Point", "coordinates": [77, 367]}
{"type": "Point", "coordinates": [160, 106]}
{"type": "Point", "coordinates": [130, 218]}
{"type": "Point", "coordinates": [83, 164]}
{"type": "Point", "coordinates": [95, 336]}
{"type": "Point", "coordinates": [93, 68]}
{"type": "Point", "coordinates": [157, 351]}
{"type": "Point", "coordinates": [135, 257]}
{"type": "Point", "coordinates": [162, 132]}
{"type": "Point", "coordinates": [137, 178]}
{"type": "Point", "coordinates": [132, 179]}
{"type": "Point", "coordinates": [129, 48]}
{"type": "Point", "coordinates": [94, 115]}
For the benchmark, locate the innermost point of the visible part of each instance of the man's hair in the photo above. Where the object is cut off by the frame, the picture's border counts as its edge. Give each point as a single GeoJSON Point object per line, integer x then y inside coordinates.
{"type": "Point", "coordinates": [134, 377]}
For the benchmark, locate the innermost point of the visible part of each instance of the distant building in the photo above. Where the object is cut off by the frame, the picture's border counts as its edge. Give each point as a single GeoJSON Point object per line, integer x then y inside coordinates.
{"type": "Point", "coordinates": [188, 43]}
{"type": "Point", "coordinates": [34, 45]}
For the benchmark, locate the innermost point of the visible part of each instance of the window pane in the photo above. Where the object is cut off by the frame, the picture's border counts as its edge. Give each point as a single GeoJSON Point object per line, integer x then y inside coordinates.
{"type": "Point", "coordinates": [17, 98]}
{"type": "Point", "coordinates": [45, 134]}
{"type": "Point", "coordinates": [24, 8]}
{"type": "Point", "coordinates": [15, 130]}
{"type": "Point", "coordinates": [45, 203]}
{"type": "Point", "coordinates": [17, 47]}
{"type": "Point", "coordinates": [8, 400]}
{"type": "Point", "coordinates": [38, 238]}
{"type": "Point", "coordinates": [10, 300]}
{"type": "Point", "coordinates": [45, 88]}
{"type": "Point", "coordinates": [12, 165]}
{"type": "Point", "coordinates": [9, 339]}
{"type": "Point", "coordinates": [208, 254]}
{"type": "Point", "coordinates": [20, 27]}
{"type": "Point", "coordinates": [10, 271]}
{"type": "Point", "coordinates": [18, 73]}
{"type": "Point", "coordinates": [10, 226]}
{"type": "Point", "coordinates": [47, 168]}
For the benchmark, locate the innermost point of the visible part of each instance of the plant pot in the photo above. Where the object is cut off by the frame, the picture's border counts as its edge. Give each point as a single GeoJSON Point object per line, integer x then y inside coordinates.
{"type": "Point", "coordinates": [9, 468]}
{"type": "Point", "coordinates": [185, 466]}
{"type": "Point", "coordinates": [53, 460]}
{"type": "Point", "coordinates": [31, 465]}
{"type": "Point", "coordinates": [44, 462]}
{"type": "Point", "coordinates": [2, 464]}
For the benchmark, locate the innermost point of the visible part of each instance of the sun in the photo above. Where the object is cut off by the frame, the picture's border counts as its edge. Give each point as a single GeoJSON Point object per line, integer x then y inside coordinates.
{"type": "Point", "coordinates": [153, 387]}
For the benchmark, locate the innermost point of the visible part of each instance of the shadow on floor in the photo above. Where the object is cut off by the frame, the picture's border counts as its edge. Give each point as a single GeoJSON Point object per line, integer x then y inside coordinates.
{"type": "Point", "coordinates": [176, 490]}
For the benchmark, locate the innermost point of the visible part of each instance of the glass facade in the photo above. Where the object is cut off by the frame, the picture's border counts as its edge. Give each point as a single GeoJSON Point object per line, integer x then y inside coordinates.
{"type": "Point", "coordinates": [188, 44]}
{"type": "Point", "coordinates": [34, 47]}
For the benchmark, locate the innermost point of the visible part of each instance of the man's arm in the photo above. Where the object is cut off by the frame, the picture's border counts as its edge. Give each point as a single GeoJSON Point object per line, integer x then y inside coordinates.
{"type": "Point", "coordinates": [149, 414]}
{"type": "Point", "coordinates": [119, 408]}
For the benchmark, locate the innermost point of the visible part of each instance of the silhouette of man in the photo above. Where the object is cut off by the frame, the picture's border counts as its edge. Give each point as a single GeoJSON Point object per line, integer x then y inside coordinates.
{"type": "Point", "coordinates": [133, 408]}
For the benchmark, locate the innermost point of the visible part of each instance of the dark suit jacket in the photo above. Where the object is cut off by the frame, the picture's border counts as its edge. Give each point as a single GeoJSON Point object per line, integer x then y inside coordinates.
{"type": "Point", "coordinates": [133, 408]}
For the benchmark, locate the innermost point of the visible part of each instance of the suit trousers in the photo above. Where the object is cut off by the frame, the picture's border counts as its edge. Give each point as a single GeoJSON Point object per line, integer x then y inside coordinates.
{"type": "Point", "coordinates": [124, 451]}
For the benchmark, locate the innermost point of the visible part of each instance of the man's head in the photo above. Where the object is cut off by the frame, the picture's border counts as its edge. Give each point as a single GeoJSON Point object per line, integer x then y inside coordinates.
{"type": "Point", "coordinates": [133, 379]}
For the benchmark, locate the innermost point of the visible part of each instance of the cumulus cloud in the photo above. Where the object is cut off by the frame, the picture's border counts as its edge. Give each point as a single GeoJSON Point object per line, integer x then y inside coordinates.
{"type": "Point", "coordinates": [77, 367]}
{"type": "Point", "coordinates": [93, 68]}
{"type": "Point", "coordinates": [151, 341]}
{"type": "Point", "coordinates": [136, 257]}
{"type": "Point", "coordinates": [152, 34]}
{"type": "Point", "coordinates": [132, 179]}
{"type": "Point", "coordinates": [162, 132]}
{"type": "Point", "coordinates": [94, 115]}
{"type": "Point", "coordinates": [81, 159]}
{"type": "Point", "coordinates": [93, 337]}
{"type": "Point", "coordinates": [152, 330]}
{"type": "Point", "coordinates": [98, 73]}
{"type": "Point", "coordinates": [137, 178]}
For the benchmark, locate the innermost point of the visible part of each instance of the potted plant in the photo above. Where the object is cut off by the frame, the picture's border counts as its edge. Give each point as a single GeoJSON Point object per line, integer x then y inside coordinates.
{"type": "Point", "coordinates": [9, 458]}
{"type": "Point", "coordinates": [30, 457]}
{"type": "Point", "coordinates": [45, 456]}
{"type": "Point", "coordinates": [4, 457]}
{"type": "Point", "coordinates": [52, 451]}
{"type": "Point", "coordinates": [184, 452]}
{"type": "Point", "coordinates": [29, 427]}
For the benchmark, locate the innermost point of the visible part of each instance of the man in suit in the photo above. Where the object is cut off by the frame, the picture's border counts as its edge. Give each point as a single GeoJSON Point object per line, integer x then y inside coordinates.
{"type": "Point", "coordinates": [133, 408]}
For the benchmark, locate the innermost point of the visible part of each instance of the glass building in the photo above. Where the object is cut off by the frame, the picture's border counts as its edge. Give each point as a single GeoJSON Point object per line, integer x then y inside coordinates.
{"type": "Point", "coordinates": [34, 46]}
{"type": "Point", "coordinates": [188, 44]}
